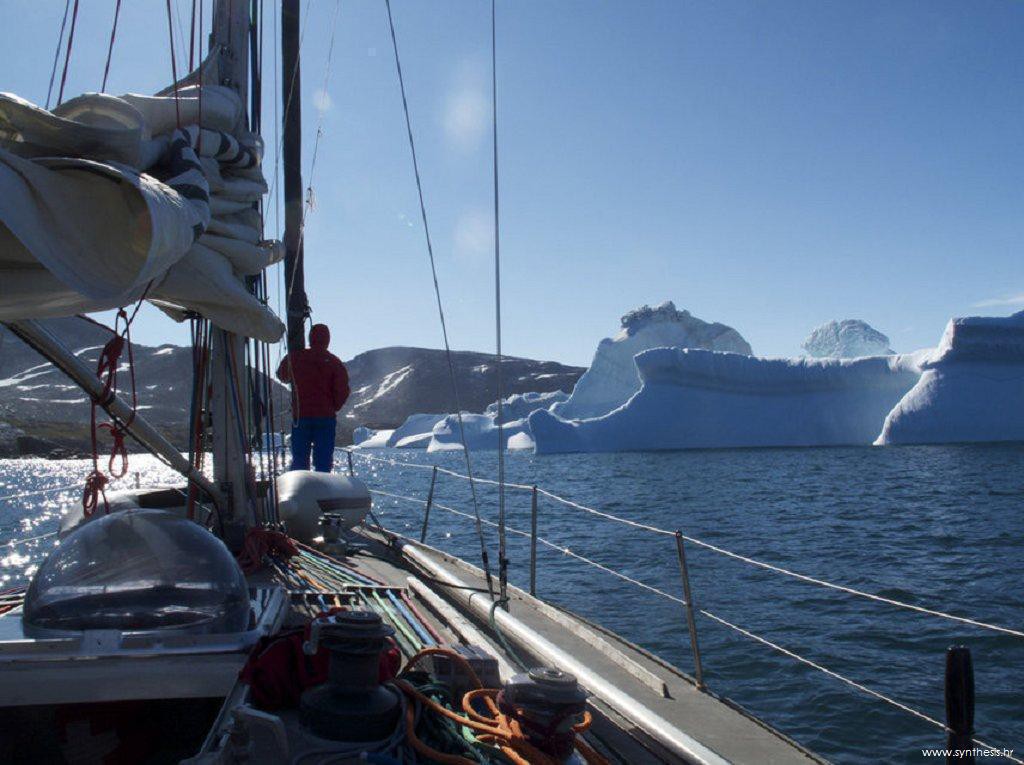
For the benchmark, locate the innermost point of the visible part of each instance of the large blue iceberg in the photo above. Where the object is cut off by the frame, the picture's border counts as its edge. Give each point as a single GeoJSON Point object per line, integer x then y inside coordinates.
{"type": "Point", "coordinates": [692, 398]}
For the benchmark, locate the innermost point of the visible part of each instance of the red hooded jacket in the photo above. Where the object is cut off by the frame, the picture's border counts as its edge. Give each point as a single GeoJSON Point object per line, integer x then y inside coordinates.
{"type": "Point", "coordinates": [318, 378]}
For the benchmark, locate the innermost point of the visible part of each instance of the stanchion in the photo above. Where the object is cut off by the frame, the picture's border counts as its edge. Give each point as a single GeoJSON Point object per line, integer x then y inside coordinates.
{"type": "Point", "coordinates": [959, 705]}
{"type": "Point", "coordinates": [351, 467]}
{"type": "Point", "coordinates": [691, 622]}
{"type": "Point", "coordinates": [533, 542]}
{"type": "Point", "coordinates": [430, 503]}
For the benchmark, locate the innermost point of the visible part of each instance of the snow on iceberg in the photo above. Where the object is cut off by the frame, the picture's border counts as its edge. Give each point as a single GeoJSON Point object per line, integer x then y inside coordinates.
{"type": "Point", "coordinates": [612, 376]}
{"type": "Point", "coordinates": [846, 339]}
{"type": "Point", "coordinates": [972, 387]}
{"type": "Point", "coordinates": [415, 431]}
{"type": "Point", "coordinates": [367, 438]}
{"type": "Point", "coordinates": [481, 432]}
{"type": "Point", "coordinates": [520, 405]}
{"type": "Point", "coordinates": [692, 398]}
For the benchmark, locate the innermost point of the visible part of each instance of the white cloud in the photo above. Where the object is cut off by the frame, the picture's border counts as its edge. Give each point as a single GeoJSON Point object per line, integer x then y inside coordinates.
{"type": "Point", "coordinates": [474, 235]}
{"type": "Point", "coordinates": [467, 107]}
{"type": "Point", "coordinates": [1011, 300]}
{"type": "Point", "coordinates": [322, 100]}
{"type": "Point", "coordinates": [465, 117]}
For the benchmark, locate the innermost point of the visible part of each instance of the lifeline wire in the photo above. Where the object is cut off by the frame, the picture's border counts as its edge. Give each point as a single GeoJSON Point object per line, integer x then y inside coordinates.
{"type": "Point", "coordinates": [440, 307]}
{"type": "Point", "coordinates": [723, 622]}
{"type": "Point", "coordinates": [719, 550]}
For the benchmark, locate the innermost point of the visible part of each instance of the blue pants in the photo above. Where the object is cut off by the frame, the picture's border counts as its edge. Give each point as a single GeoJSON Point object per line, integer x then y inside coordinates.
{"type": "Point", "coordinates": [318, 433]}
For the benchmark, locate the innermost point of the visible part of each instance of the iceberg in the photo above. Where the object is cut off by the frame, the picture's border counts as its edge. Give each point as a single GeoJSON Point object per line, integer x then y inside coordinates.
{"type": "Point", "coordinates": [415, 431]}
{"type": "Point", "coordinates": [691, 398]}
{"type": "Point", "coordinates": [846, 339]}
{"type": "Point", "coordinates": [367, 438]}
{"type": "Point", "coordinates": [612, 377]}
{"type": "Point", "coordinates": [971, 389]}
{"type": "Point", "coordinates": [481, 432]}
{"type": "Point", "coordinates": [520, 405]}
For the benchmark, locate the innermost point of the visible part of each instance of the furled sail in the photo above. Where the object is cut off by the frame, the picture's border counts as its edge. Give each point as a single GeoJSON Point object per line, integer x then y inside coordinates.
{"type": "Point", "coordinates": [106, 199]}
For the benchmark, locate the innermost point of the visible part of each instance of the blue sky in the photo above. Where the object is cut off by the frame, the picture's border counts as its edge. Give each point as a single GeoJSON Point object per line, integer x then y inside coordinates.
{"type": "Point", "coordinates": [771, 165]}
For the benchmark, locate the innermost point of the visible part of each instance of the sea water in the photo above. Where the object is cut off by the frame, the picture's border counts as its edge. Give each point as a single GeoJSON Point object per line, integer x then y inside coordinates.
{"type": "Point", "coordinates": [940, 527]}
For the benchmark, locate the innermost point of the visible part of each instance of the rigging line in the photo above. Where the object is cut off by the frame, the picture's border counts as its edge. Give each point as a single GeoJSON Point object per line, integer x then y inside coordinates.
{"type": "Point", "coordinates": [67, 53]}
{"type": "Point", "coordinates": [174, 63]}
{"type": "Point", "coordinates": [502, 548]}
{"type": "Point", "coordinates": [316, 143]}
{"type": "Point", "coordinates": [17, 542]}
{"type": "Point", "coordinates": [290, 286]}
{"type": "Point", "coordinates": [56, 52]}
{"type": "Point", "coordinates": [37, 492]}
{"type": "Point", "coordinates": [181, 27]}
{"type": "Point", "coordinates": [323, 112]}
{"type": "Point", "coordinates": [701, 543]}
{"type": "Point", "coordinates": [440, 308]}
{"type": "Point", "coordinates": [191, 39]}
{"type": "Point", "coordinates": [291, 85]}
{"type": "Point", "coordinates": [110, 47]}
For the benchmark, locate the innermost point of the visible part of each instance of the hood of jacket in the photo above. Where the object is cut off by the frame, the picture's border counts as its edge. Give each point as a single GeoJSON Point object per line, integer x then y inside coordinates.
{"type": "Point", "coordinates": [319, 337]}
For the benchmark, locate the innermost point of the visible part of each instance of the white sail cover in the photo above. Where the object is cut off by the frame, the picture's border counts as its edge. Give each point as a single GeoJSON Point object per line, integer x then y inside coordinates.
{"type": "Point", "coordinates": [104, 200]}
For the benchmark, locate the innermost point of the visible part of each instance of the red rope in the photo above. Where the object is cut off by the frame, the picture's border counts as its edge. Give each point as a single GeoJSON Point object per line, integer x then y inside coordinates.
{"type": "Point", "coordinates": [67, 54]}
{"type": "Point", "coordinates": [106, 370]}
{"type": "Point", "coordinates": [261, 542]}
{"type": "Point", "coordinates": [110, 48]}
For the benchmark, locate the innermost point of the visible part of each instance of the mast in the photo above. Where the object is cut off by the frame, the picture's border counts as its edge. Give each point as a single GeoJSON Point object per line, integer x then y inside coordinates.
{"type": "Point", "coordinates": [229, 404]}
{"type": "Point", "coordinates": [291, 97]}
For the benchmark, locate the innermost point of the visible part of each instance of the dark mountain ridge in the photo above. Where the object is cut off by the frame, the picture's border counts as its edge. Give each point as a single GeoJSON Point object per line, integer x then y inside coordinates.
{"type": "Point", "coordinates": [42, 412]}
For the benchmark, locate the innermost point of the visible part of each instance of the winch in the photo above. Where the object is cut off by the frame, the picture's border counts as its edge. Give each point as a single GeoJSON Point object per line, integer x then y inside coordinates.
{"type": "Point", "coordinates": [548, 703]}
{"type": "Point", "coordinates": [352, 705]}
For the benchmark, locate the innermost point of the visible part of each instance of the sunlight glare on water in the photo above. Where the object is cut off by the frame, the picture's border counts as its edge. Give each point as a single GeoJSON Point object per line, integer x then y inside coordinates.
{"type": "Point", "coordinates": [939, 527]}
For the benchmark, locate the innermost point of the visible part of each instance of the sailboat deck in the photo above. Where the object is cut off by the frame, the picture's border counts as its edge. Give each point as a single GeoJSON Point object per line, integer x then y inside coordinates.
{"type": "Point", "coordinates": [717, 724]}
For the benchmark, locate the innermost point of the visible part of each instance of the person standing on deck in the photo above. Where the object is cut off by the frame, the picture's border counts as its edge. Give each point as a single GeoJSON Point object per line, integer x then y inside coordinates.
{"type": "Point", "coordinates": [319, 389]}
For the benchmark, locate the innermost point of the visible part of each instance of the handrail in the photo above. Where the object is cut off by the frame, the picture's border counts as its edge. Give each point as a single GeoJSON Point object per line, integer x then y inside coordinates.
{"type": "Point", "coordinates": [1001, 751]}
{"type": "Point", "coordinates": [722, 551]}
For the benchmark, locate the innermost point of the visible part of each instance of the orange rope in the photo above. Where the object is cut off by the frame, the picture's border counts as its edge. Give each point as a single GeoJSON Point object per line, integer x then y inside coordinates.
{"type": "Point", "coordinates": [498, 729]}
{"type": "Point", "coordinates": [430, 753]}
